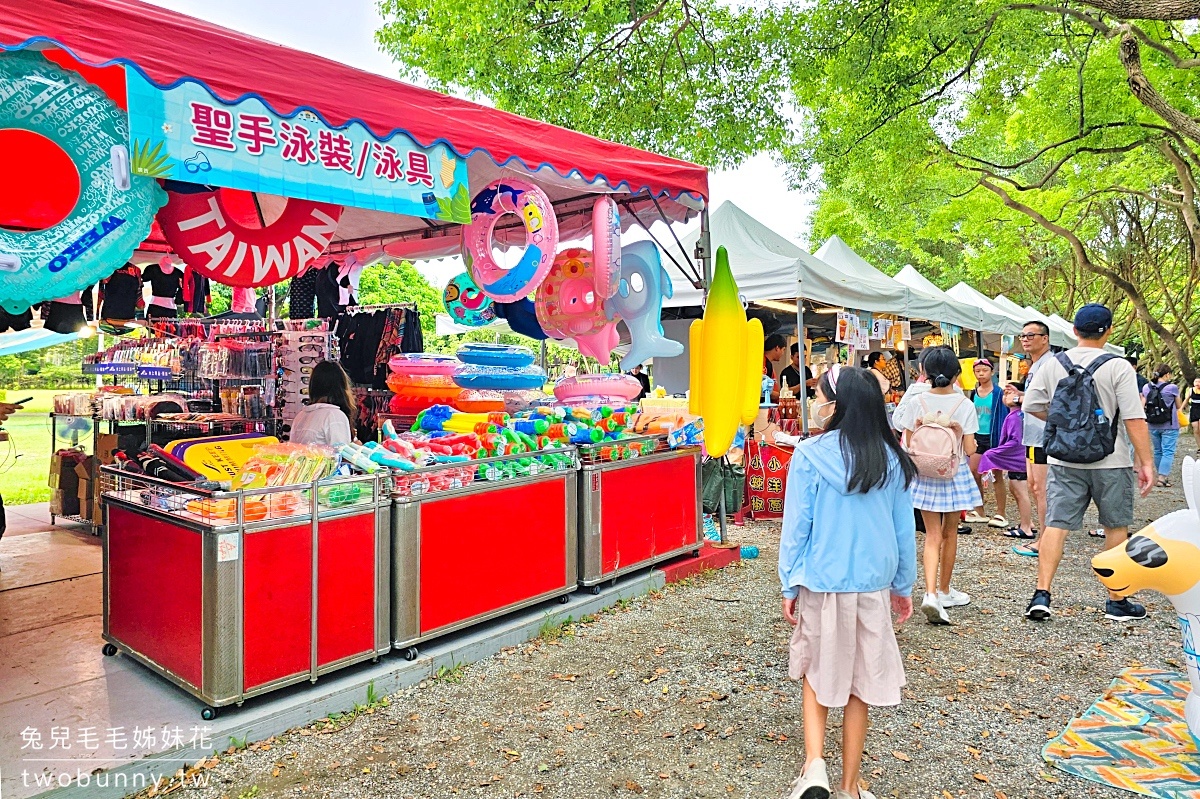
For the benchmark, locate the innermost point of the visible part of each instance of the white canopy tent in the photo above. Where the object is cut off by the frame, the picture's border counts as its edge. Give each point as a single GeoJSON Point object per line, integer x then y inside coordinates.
{"type": "Point", "coordinates": [1062, 332]}
{"type": "Point", "coordinates": [918, 303]}
{"type": "Point", "coordinates": [990, 321]}
{"type": "Point", "coordinates": [767, 266]}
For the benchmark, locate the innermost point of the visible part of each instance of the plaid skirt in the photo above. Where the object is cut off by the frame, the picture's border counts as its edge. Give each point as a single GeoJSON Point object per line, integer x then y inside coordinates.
{"type": "Point", "coordinates": [943, 496]}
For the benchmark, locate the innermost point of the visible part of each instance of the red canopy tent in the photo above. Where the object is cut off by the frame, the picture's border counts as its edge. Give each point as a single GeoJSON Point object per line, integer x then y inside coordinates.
{"type": "Point", "coordinates": [168, 47]}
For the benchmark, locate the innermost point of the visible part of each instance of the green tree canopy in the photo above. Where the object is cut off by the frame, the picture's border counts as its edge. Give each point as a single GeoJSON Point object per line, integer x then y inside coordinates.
{"type": "Point", "coordinates": [1044, 150]}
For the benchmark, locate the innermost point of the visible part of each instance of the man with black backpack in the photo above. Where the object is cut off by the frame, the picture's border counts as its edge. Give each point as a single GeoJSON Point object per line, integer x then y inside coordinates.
{"type": "Point", "coordinates": [1093, 412]}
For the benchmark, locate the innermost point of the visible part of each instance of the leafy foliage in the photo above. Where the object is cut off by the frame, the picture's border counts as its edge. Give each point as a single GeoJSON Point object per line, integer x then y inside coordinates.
{"type": "Point", "coordinates": [697, 79]}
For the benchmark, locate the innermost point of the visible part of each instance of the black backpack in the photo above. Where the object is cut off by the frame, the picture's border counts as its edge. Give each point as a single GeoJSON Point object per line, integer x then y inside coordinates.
{"type": "Point", "coordinates": [1077, 428]}
{"type": "Point", "coordinates": [1157, 411]}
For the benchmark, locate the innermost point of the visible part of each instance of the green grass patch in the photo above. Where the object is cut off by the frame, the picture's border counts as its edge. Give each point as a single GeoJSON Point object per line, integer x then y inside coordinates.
{"type": "Point", "coordinates": [25, 458]}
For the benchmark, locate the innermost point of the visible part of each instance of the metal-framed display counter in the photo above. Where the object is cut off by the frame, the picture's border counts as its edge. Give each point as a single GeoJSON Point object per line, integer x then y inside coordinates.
{"type": "Point", "coordinates": [474, 541]}
{"type": "Point", "coordinates": [621, 527]}
{"type": "Point", "coordinates": [232, 594]}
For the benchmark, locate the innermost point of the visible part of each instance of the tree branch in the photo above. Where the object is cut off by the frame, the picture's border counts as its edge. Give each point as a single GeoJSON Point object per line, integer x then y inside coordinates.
{"type": "Point", "coordinates": [1131, 58]}
{"type": "Point", "coordinates": [1079, 251]}
{"type": "Point", "coordinates": [1162, 10]}
{"type": "Point", "coordinates": [1172, 56]}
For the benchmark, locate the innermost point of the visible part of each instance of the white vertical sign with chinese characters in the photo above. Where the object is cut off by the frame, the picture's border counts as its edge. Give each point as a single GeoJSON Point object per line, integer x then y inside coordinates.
{"type": "Point", "coordinates": [183, 133]}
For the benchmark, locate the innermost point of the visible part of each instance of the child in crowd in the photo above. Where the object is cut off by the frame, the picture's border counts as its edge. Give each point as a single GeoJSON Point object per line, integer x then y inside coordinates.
{"type": "Point", "coordinates": [837, 573]}
{"type": "Point", "coordinates": [1009, 455]}
{"type": "Point", "coordinates": [942, 500]}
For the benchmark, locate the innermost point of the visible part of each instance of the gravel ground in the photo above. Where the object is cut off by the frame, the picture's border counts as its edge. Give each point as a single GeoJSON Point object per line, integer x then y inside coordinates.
{"type": "Point", "coordinates": [684, 693]}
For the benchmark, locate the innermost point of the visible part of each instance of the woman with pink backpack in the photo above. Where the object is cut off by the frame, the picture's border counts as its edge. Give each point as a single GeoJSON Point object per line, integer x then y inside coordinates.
{"type": "Point", "coordinates": [939, 429]}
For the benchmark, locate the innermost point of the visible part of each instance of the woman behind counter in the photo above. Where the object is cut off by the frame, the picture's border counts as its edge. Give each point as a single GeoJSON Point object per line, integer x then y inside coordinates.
{"type": "Point", "coordinates": [326, 417]}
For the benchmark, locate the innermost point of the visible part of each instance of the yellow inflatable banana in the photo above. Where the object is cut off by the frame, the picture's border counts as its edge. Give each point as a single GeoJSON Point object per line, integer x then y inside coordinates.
{"type": "Point", "coordinates": [726, 361]}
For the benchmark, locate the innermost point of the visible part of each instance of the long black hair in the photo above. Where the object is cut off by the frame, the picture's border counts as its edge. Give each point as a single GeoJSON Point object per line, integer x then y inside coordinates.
{"type": "Point", "coordinates": [329, 383]}
{"type": "Point", "coordinates": [942, 366]}
{"type": "Point", "coordinates": [859, 415]}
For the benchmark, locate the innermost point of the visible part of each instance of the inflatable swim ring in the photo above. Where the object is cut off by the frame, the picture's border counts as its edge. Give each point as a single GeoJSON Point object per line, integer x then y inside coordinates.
{"type": "Point", "coordinates": [199, 228]}
{"type": "Point", "coordinates": [466, 304]}
{"type": "Point", "coordinates": [499, 378]}
{"type": "Point", "coordinates": [498, 198]}
{"type": "Point", "coordinates": [436, 388]}
{"type": "Point", "coordinates": [495, 355]}
{"type": "Point", "coordinates": [423, 364]}
{"type": "Point", "coordinates": [600, 389]}
{"type": "Point", "coordinates": [476, 401]}
{"type": "Point", "coordinates": [115, 209]}
{"type": "Point", "coordinates": [568, 306]}
{"type": "Point", "coordinates": [606, 245]}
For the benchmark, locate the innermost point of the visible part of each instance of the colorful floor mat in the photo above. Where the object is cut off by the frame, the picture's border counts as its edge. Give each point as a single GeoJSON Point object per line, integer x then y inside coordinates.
{"type": "Point", "coordinates": [1134, 737]}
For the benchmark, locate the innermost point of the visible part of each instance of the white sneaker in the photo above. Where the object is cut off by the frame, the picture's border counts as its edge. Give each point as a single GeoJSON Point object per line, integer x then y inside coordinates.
{"type": "Point", "coordinates": [953, 598]}
{"type": "Point", "coordinates": [933, 610]}
{"type": "Point", "coordinates": [813, 782]}
{"type": "Point", "coordinates": [863, 793]}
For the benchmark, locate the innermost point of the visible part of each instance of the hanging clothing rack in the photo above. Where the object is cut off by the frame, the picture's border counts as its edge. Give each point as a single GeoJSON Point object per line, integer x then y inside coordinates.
{"type": "Point", "coordinates": [386, 306]}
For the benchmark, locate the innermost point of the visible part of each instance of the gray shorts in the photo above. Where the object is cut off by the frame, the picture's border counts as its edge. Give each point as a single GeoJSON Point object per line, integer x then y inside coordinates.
{"type": "Point", "coordinates": [1069, 490]}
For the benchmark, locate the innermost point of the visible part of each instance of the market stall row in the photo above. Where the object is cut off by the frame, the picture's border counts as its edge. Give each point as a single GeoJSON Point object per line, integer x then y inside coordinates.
{"type": "Point", "coordinates": [237, 563]}
{"type": "Point", "coordinates": [308, 560]}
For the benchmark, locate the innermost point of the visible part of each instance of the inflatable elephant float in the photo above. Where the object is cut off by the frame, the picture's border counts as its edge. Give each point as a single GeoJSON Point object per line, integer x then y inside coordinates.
{"type": "Point", "coordinates": [1165, 556]}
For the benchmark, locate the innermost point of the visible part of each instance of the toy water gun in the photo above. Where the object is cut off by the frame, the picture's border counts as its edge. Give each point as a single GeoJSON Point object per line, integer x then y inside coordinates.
{"type": "Point", "coordinates": [359, 457]}
{"type": "Point", "coordinates": [530, 427]}
{"type": "Point", "coordinates": [383, 456]}
{"type": "Point", "coordinates": [690, 434]}
{"type": "Point", "coordinates": [443, 417]}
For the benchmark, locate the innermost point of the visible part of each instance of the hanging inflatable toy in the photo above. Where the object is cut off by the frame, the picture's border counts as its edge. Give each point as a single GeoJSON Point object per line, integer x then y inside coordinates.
{"type": "Point", "coordinates": [726, 362]}
{"type": "Point", "coordinates": [606, 245]}
{"type": "Point", "coordinates": [644, 284]}
{"type": "Point", "coordinates": [522, 318]}
{"type": "Point", "coordinates": [201, 230]}
{"type": "Point", "coordinates": [115, 209]}
{"type": "Point", "coordinates": [510, 196]}
{"type": "Point", "coordinates": [466, 304]}
{"type": "Point", "coordinates": [568, 307]}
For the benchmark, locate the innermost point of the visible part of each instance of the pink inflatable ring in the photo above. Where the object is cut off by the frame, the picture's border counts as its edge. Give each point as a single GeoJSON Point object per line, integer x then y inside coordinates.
{"type": "Point", "coordinates": [510, 196]}
{"type": "Point", "coordinates": [599, 388]}
{"type": "Point", "coordinates": [606, 246]}
{"type": "Point", "coordinates": [423, 364]}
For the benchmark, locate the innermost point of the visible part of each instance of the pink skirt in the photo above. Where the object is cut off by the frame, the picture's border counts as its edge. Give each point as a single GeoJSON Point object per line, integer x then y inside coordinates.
{"type": "Point", "coordinates": [844, 644]}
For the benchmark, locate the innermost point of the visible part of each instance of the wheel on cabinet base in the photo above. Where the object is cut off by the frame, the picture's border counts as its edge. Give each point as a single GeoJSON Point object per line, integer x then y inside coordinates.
{"type": "Point", "coordinates": [695, 553]}
{"type": "Point", "coordinates": [594, 589]}
{"type": "Point", "coordinates": [109, 650]}
{"type": "Point", "coordinates": [410, 653]}
{"type": "Point", "coordinates": [208, 713]}
{"type": "Point", "coordinates": [564, 599]}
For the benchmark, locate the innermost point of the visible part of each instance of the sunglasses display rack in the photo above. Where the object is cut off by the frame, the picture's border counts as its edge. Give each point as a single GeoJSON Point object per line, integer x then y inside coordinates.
{"type": "Point", "coordinates": [297, 352]}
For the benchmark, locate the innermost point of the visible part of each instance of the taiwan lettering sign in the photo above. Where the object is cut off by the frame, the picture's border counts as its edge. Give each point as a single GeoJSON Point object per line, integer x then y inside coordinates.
{"type": "Point", "coordinates": [183, 133]}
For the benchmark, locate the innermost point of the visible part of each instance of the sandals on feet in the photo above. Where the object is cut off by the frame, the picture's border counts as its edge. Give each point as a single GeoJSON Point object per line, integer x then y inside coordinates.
{"type": "Point", "coordinates": [1027, 551]}
{"type": "Point", "coordinates": [1018, 532]}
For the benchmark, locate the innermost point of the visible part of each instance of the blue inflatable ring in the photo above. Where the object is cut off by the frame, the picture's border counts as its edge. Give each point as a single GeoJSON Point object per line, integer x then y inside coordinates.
{"type": "Point", "coordinates": [115, 208]}
{"type": "Point", "coordinates": [496, 378]}
{"type": "Point", "coordinates": [495, 355]}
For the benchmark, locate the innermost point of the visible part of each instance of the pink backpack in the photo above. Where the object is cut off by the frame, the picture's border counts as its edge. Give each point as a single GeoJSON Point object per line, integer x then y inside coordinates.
{"type": "Point", "coordinates": [935, 443]}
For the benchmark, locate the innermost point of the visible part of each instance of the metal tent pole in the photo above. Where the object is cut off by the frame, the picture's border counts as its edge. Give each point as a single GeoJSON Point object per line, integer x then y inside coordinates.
{"type": "Point", "coordinates": [704, 254]}
{"type": "Point", "coordinates": [804, 369]}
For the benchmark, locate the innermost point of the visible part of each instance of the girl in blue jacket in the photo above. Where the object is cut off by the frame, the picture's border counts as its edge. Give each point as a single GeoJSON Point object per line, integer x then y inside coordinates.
{"type": "Point", "coordinates": [848, 541]}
